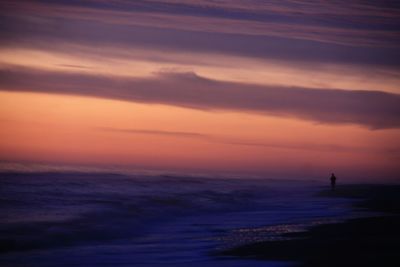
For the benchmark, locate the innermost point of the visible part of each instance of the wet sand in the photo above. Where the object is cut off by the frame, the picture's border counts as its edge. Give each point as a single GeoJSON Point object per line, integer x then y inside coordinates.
{"type": "Point", "coordinates": [373, 241]}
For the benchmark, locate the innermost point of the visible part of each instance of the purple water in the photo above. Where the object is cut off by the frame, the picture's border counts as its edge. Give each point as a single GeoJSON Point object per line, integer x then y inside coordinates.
{"type": "Point", "coordinates": [99, 219]}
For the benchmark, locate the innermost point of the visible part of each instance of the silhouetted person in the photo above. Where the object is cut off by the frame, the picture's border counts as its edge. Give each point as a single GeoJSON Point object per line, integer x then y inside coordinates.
{"type": "Point", "coordinates": [333, 181]}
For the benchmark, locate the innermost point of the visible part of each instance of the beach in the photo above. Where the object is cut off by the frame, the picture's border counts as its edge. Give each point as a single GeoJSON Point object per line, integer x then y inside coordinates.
{"type": "Point", "coordinates": [368, 241]}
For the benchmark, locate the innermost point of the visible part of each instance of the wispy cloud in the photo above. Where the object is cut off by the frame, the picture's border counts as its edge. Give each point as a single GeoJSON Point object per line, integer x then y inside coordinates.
{"type": "Point", "coordinates": [299, 146]}
{"type": "Point", "coordinates": [343, 23]}
{"type": "Point", "coordinates": [73, 66]}
{"type": "Point", "coordinates": [373, 109]}
{"type": "Point", "coordinates": [155, 132]}
{"type": "Point", "coordinates": [221, 139]}
{"type": "Point", "coordinates": [318, 32]}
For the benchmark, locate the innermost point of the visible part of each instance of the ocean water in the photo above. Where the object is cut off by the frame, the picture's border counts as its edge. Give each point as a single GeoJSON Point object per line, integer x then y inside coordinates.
{"type": "Point", "coordinates": [103, 219]}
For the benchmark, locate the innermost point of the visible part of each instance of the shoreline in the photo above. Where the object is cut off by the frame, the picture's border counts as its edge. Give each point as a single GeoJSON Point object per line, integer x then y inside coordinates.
{"type": "Point", "coordinates": [368, 241]}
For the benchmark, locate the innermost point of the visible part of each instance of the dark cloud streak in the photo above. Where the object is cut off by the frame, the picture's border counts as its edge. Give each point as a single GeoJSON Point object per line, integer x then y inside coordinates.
{"type": "Point", "coordinates": [155, 132]}
{"type": "Point", "coordinates": [373, 109]}
{"type": "Point", "coordinates": [248, 143]}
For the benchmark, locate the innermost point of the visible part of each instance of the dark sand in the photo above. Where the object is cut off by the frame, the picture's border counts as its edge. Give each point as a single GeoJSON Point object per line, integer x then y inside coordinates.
{"type": "Point", "coordinates": [373, 241]}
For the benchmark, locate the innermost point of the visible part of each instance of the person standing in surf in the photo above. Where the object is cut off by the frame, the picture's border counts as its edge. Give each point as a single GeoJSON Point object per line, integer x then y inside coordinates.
{"type": "Point", "coordinates": [333, 181]}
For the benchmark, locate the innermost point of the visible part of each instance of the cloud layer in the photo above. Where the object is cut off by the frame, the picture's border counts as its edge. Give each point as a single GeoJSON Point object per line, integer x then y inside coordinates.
{"type": "Point", "coordinates": [341, 32]}
{"type": "Point", "coordinates": [248, 143]}
{"type": "Point", "coordinates": [372, 109]}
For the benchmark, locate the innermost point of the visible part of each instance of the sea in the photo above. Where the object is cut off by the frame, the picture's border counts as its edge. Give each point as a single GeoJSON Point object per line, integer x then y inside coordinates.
{"type": "Point", "coordinates": [67, 218]}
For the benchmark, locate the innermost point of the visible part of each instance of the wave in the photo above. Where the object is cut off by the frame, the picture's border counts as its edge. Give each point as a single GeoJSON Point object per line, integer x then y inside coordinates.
{"type": "Point", "coordinates": [52, 209]}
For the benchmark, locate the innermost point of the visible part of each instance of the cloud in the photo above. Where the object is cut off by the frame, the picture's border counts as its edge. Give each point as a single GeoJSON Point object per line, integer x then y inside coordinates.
{"type": "Point", "coordinates": [301, 146]}
{"type": "Point", "coordinates": [345, 23]}
{"type": "Point", "coordinates": [218, 139]}
{"type": "Point", "coordinates": [359, 34]}
{"type": "Point", "coordinates": [73, 66]}
{"type": "Point", "coordinates": [155, 132]}
{"type": "Point", "coordinates": [373, 109]}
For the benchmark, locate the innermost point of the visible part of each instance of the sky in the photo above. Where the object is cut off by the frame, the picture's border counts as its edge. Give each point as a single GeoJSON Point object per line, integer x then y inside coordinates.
{"type": "Point", "coordinates": [279, 89]}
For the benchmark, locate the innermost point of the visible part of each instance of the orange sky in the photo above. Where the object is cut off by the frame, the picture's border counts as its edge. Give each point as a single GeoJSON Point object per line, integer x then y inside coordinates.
{"type": "Point", "coordinates": [79, 130]}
